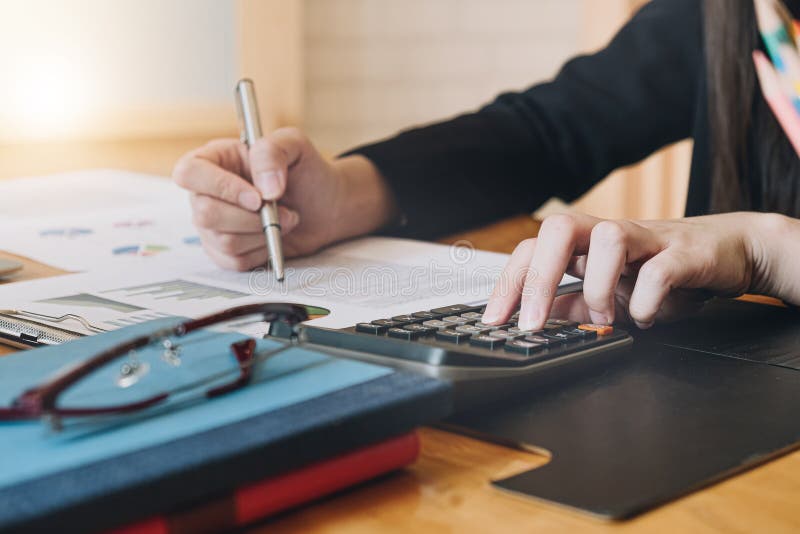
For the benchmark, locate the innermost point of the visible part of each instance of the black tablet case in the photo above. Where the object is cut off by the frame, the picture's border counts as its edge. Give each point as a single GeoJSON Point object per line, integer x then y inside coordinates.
{"type": "Point", "coordinates": [690, 404]}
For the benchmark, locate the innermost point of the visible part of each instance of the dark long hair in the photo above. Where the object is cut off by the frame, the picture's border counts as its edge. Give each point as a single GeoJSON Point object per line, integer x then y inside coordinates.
{"type": "Point", "coordinates": [753, 165]}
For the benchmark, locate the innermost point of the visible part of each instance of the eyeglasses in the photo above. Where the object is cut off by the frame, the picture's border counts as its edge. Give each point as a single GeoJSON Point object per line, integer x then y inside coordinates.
{"type": "Point", "coordinates": [172, 363]}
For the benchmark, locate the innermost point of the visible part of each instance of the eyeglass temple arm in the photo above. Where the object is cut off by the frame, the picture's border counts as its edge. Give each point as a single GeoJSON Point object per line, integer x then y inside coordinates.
{"type": "Point", "coordinates": [16, 414]}
{"type": "Point", "coordinates": [29, 406]}
{"type": "Point", "coordinates": [273, 311]}
{"type": "Point", "coordinates": [42, 400]}
{"type": "Point", "coordinates": [119, 408]}
{"type": "Point", "coordinates": [244, 351]}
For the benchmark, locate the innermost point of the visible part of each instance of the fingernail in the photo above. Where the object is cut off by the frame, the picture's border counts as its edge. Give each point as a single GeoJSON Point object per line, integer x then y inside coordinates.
{"type": "Point", "coordinates": [599, 318]}
{"type": "Point", "coordinates": [529, 320]}
{"type": "Point", "coordinates": [267, 183]}
{"type": "Point", "coordinates": [491, 315]}
{"type": "Point", "coordinates": [291, 219]}
{"type": "Point", "coordinates": [250, 200]}
{"type": "Point", "coordinates": [294, 218]}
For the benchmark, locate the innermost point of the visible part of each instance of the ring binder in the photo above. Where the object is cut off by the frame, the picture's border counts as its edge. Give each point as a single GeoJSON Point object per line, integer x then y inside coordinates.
{"type": "Point", "coordinates": [24, 332]}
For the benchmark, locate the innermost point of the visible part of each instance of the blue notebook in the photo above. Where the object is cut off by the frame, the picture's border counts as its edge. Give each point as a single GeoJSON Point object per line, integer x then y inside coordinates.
{"type": "Point", "coordinates": [303, 405]}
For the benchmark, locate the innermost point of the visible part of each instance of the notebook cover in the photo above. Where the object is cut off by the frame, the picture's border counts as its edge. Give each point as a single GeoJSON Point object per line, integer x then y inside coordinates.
{"type": "Point", "coordinates": [307, 406]}
{"type": "Point", "coordinates": [690, 404]}
{"type": "Point", "coordinates": [276, 494]}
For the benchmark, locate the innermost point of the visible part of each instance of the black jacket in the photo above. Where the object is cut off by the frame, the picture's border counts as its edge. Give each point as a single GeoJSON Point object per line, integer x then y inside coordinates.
{"type": "Point", "coordinates": [647, 89]}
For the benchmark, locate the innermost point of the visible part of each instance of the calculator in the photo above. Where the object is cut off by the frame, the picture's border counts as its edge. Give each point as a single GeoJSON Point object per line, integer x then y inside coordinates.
{"type": "Point", "coordinates": [482, 361]}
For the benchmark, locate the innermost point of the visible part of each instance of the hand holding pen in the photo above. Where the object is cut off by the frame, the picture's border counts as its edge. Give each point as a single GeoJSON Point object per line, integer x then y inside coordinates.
{"type": "Point", "coordinates": [319, 201]}
{"type": "Point", "coordinates": [250, 123]}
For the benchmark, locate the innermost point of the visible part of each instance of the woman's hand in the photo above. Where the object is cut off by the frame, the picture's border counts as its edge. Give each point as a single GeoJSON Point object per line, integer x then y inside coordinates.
{"type": "Point", "coordinates": [632, 270]}
{"type": "Point", "coordinates": [319, 202]}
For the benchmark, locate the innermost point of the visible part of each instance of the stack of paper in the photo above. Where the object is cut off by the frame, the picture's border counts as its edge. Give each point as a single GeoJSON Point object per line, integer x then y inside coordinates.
{"type": "Point", "coordinates": [132, 237]}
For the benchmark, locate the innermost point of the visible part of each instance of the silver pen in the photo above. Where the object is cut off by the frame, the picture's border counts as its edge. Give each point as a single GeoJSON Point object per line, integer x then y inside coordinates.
{"type": "Point", "coordinates": [250, 124]}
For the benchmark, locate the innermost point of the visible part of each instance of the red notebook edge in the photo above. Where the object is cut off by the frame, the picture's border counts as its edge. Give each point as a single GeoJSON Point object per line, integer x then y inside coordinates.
{"type": "Point", "coordinates": [276, 494]}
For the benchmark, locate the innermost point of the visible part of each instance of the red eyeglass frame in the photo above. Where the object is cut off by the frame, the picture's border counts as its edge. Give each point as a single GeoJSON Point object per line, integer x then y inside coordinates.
{"type": "Point", "coordinates": [41, 401]}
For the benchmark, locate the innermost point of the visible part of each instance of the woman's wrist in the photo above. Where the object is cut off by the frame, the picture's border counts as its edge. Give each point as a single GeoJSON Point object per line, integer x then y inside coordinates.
{"type": "Point", "coordinates": [774, 241]}
{"type": "Point", "coordinates": [366, 203]}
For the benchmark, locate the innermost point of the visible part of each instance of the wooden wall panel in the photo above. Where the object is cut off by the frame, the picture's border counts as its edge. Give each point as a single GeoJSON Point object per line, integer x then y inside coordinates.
{"type": "Point", "coordinates": [272, 55]}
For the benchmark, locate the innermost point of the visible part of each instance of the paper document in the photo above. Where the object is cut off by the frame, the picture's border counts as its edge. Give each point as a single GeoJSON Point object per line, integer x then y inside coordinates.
{"type": "Point", "coordinates": [133, 238]}
{"type": "Point", "coordinates": [94, 220]}
{"type": "Point", "coordinates": [357, 281]}
{"type": "Point", "coordinates": [372, 278]}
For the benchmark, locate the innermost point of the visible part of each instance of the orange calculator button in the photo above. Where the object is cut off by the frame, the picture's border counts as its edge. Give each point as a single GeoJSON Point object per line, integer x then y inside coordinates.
{"type": "Point", "coordinates": [601, 329]}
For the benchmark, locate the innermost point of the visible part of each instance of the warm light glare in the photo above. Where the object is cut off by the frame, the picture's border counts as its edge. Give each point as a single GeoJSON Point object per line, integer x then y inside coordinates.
{"type": "Point", "coordinates": [104, 69]}
{"type": "Point", "coordinates": [44, 66]}
{"type": "Point", "coordinates": [49, 97]}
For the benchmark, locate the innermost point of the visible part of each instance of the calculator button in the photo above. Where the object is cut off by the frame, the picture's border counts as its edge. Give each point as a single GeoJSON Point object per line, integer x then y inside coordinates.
{"type": "Point", "coordinates": [426, 315]}
{"type": "Point", "coordinates": [369, 328]}
{"type": "Point", "coordinates": [452, 336]}
{"type": "Point", "coordinates": [455, 319]}
{"type": "Point", "coordinates": [470, 329]}
{"type": "Point", "coordinates": [453, 309]}
{"type": "Point", "coordinates": [487, 342]}
{"type": "Point", "coordinates": [420, 329]}
{"type": "Point", "coordinates": [558, 337]}
{"type": "Point", "coordinates": [600, 329]}
{"type": "Point", "coordinates": [491, 326]}
{"type": "Point", "coordinates": [504, 334]}
{"type": "Point", "coordinates": [564, 323]}
{"type": "Point", "coordinates": [406, 319]}
{"type": "Point", "coordinates": [518, 330]}
{"type": "Point", "coordinates": [521, 346]}
{"type": "Point", "coordinates": [388, 323]}
{"type": "Point", "coordinates": [542, 340]}
{"type": "Point", "coordinates": [582, 334]}
{"type": "Point", "coordinates": [472, 316]}
{"type": "Point", "coordinates": [403, 333]}
{"type": "Point", "coordinates": [571, 336]}
{"type": "Point", "coordinates": [436, 323]}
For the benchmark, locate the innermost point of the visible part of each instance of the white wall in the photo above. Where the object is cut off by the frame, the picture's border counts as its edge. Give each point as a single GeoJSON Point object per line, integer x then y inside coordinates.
{"type": "Point", "coordinates": [67, 63]}
{"type": "Point", "coordinates": [375, 66]}
{"type": "Point", "coordinates": [166, 68]}
{"type": "Point", "coordinates": [98, 67]}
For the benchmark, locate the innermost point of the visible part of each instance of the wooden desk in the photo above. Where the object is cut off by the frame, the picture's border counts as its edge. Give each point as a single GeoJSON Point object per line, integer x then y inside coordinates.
{"type": "Point", "coordinates": [448, 488]}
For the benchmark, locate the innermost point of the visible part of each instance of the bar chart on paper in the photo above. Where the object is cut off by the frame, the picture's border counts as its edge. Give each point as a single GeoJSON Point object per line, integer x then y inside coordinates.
{"type": "Point", "coordinates": [115, 307]}
{"type": "Point", "coordinates": [178, 290]}
{"type": "Point", "coordinates": [177, 296]}
{"type": "Point", "coordinates": [102, 313]}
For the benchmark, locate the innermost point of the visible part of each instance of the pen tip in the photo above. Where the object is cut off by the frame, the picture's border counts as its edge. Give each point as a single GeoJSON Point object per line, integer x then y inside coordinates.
{"type": "Point", "coordinates": [280, 279]}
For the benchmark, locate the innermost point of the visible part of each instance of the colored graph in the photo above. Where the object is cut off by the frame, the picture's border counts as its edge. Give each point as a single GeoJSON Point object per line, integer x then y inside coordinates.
{"type": "Point", "coordinates": [141, 223]}
{"type": "Point", "coordinates": [65, 232]}
{"type": "Point", "coordinates": [85, 300]}
{"type": "Point", "coordinates": [143, 317]}
{"type": "Point", "coordinates": [139, 250]}
{"type": "Point", "coordinates": [132, 314]}
{"type": "Point", "coordinates": [177, 290]}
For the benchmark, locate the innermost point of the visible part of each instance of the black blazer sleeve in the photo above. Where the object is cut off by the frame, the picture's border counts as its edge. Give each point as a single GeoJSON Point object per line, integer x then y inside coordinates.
{"type": "Point", "coordinates": [560, 138]}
